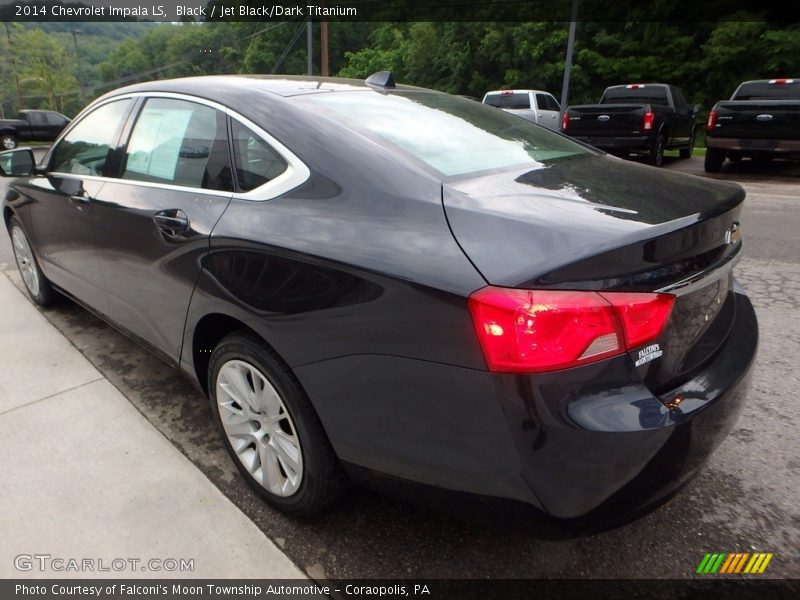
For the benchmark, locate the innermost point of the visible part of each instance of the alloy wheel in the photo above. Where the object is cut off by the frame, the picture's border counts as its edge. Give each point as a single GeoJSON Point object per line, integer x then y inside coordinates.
{"type": "Point", "coordinates": [259, 427]}
{"type": "Point", "coordinates": [25, 261]}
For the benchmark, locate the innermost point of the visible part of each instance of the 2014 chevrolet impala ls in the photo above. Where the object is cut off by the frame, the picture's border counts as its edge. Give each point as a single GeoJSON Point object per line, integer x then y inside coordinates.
{"type": "Point", "coordinates": [383, 282]}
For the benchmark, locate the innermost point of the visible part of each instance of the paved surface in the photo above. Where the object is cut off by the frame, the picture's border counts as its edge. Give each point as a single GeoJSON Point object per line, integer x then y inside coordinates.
{"type": "Point", "coordinates": [747, 498]}
{"type": "Point", "coordinates": [85, 476]}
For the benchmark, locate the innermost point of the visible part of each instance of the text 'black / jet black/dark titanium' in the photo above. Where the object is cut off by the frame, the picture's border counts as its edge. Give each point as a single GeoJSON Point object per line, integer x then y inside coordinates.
{"type": "Point", "coordinates": [389, 282]}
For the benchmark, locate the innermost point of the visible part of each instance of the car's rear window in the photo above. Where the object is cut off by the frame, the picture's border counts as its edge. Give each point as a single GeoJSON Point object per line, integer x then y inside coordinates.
{"type": "Point", "coordinates": [646, 94]}
{"type": "Point", "coordinates": [768, 91]}
{"type": "Point", "coordinates": [511, 100]}
{"type": "Point", "coordinates": [453, 135]}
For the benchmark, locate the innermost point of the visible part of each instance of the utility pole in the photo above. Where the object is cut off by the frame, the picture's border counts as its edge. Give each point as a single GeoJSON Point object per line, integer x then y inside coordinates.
{"type": "Point", "coordinates": [568, 60]}
{"type": "Point", "coordinates": [323, 40]}
{"type": "Point", "coordinates": [11, 52]}
{"type": "Point", "coordinates": [81, 78]}
{"type": "Point", "coordinates": [310, 46]}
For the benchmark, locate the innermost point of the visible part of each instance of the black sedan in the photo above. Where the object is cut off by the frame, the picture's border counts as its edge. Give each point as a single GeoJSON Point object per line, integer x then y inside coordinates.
{"type": "Point", "coordinates": [387, 283]}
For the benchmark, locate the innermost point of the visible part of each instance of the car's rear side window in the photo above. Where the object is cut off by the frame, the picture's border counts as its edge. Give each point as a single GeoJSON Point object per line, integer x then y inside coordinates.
{"type": "Point", "coordinates": [181, 143]}
{"type": "Point", "coordinates": [453, 135]}
{"type": "Point", "coordinates": [84, 150]}
{"type": "Point", "coordinates": [256, 161]}
{"type": "Point", "coordinates": [510, 100]}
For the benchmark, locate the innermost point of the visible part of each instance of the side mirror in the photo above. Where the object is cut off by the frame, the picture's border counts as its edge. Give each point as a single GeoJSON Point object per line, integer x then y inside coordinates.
{"type": "Point", "coordinates": [696, 109]}
{"type": "Point", "coordinates": [17, 163]}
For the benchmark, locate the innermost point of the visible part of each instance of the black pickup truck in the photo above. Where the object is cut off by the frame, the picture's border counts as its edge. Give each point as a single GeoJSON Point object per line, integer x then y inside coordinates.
{"type": "Point", "coordinates": [31, 126]}
{"type": "Point", "coordinates": [761, 121]}
{"type": "Point", "coordinates": [639, 118]}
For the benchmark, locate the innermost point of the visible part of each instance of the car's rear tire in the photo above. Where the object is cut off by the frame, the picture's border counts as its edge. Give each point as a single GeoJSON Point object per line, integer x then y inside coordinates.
{"type": "Point", "coordinates": [36, 284]}
{"type": "Point", "coordinates": [8, 141]}
{"type": "Point", "coordinates": [687, 152]}
{"type": "Point", "coordinates": [656, 157]}
{"type": "Point", "coordinates": [714, 160]}
{"type": "Point", "coordinates": [270, 428]}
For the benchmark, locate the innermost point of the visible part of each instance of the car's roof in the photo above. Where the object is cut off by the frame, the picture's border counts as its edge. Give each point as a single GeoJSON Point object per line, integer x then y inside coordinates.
{"type": "Point", "coordinates": [783, 79]}
{"type": "Point", "coordinates": [279, 85]}
{"type": "Point", "coordinates": [517, 92]}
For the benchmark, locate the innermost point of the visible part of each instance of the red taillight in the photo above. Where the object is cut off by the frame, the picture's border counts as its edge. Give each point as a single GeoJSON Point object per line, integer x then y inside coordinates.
{"type": "Point", "coordinates": [531, 331]}
{"type": "Point", "coordinates": [781, 81]}
{"type": "Point", "coordinates": [564, 121]}
{"type": "Point", "coordinates": [712, 120]}
{"type": "Point", "coordinates": [648, 119]}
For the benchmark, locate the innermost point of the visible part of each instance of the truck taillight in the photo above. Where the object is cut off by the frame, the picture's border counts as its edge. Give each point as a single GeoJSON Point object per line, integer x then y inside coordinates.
{"type": "Point", "coordinates": [712, 120]}
{"type": "Point", "coordinates": [532, 331]}
{"type": "Point", "coordinates": [781, 81]}
{"type": "Point", "coordinates": [564, 121]}
{"type": "Point", "coordinates": [648, 119]}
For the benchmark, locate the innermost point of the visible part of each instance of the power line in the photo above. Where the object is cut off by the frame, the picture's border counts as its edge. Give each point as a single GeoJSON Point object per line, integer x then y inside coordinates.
{"type": "Point", "coordinates": [289, 47]}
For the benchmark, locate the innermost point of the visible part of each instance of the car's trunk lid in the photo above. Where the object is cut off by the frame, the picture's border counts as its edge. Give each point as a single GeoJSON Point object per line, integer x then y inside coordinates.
{"type": "Point", "coordinates": [599, 223]}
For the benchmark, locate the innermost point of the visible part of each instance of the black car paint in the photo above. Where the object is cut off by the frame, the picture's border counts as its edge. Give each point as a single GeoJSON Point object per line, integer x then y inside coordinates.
{"type": "Point", "coordinates": [764, 128]}
{"type": "Point", "coordinates": [357, 282]}
{"type": "Point", "coordinates": [622, 133]}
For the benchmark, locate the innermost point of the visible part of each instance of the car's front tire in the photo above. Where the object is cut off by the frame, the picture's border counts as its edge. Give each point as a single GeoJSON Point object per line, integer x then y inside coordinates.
{"type": "Point", "coordinates": [270, 428]}
{"type": "Point", "coordinates": [36, 284]}
{"type": "Point", "coordinates": [714, 160]}
{"type": "Point", "coordinates": [8, 141]}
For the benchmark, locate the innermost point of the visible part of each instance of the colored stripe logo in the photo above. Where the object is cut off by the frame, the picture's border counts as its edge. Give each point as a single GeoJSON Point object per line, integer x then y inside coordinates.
{"type": "Point", "coordinates": [734, 562]}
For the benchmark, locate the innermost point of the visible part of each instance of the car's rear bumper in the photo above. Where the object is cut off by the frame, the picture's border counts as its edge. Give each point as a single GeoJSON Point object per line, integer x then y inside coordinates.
{"type": "Point", "coordinates": [754, 146]}
{"type": "Point", "coordinates": [585, 446]}
{"type": "Point", "coordinates": [616, 144]}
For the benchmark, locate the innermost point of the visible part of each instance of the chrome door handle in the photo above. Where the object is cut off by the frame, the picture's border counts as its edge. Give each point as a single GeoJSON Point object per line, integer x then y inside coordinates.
{"type": "Point", "coordinates": [172, 222]}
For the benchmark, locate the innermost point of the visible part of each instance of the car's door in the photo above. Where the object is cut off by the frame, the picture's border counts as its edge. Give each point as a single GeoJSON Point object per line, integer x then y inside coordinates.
{"type": "Point", "coordinates": [55, 124]}
{"type": "Point", "coordinates": [549, 110]}
{"type": "Point", "coordinates": [37, 124]}
{"type": "Point", "coordinates": [154, 221]}
{"type": "Point", "coordinates": [62, 202]}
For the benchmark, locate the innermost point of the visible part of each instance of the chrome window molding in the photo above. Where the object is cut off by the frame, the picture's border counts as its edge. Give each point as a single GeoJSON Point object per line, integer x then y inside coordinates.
{"type": "Point", "coordinates": [294, 176]}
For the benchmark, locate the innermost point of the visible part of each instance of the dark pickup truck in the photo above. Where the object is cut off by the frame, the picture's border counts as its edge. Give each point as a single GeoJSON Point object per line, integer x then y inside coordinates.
{"type": "Point", "coordinates": [761, 121]}
{"type": "Point", "coordinates": [639, 118]}
{"type": "Point", "coordinates": [31, 126]}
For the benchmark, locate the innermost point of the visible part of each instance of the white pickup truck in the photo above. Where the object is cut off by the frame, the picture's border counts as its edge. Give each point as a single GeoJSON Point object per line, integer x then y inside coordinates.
{"type": "Point", "coordinates": [534, 105]}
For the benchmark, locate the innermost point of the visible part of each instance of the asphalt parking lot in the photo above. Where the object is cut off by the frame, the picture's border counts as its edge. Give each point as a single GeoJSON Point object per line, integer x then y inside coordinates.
{"type": "Point", "coordinates": [747, 499]}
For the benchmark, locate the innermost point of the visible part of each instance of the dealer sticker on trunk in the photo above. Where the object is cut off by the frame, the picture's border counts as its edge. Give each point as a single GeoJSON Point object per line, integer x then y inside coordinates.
{"type": "Point", "coordinates": [648, 353]}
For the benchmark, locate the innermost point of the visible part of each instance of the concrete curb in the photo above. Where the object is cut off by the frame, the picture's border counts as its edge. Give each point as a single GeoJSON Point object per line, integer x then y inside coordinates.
{"type": "Point", "coordinates": [86, 477]}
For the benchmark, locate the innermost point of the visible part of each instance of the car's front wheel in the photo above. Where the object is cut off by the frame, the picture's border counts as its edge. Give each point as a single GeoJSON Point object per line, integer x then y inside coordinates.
{"type": "Point", "coordinates": [37, 285]}
{"type": "Point", "coordinates": [8, 141]}
{"type": "Point", "coordinates": [270, 428]}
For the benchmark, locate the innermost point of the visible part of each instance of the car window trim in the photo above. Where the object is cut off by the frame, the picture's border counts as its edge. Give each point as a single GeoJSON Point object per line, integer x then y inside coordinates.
{"type": "Point", "coordinates": [296, 174]}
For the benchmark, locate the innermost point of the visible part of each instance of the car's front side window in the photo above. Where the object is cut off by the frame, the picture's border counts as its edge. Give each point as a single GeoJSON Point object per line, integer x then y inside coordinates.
{"type": "Point", "coordinates": [85, 149]}
{"type": "Point", "coordinates": [179, 142]}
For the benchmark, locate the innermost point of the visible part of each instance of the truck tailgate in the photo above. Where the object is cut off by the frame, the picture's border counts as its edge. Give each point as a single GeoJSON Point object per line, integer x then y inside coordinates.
{"type": "Point", "coordinates": [758, 119]}
{"type": "Point", "coordinates": [605, 119]}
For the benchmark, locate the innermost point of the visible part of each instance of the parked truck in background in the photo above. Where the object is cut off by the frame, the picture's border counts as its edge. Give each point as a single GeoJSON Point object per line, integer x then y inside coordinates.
{"type": "Point", "coordinates": [642, 119]}
{"type": "Point", "coordinates": [533, 105]}
{"type": "Point", "coordinates": [31, 126]}
{"type": "Point", "coordinates": [761, 121]}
